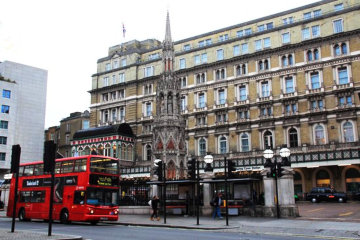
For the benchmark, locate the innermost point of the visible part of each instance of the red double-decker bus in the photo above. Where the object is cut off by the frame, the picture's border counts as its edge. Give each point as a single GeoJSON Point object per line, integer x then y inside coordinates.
{"type": "Point", "coordinates": [86, 189]}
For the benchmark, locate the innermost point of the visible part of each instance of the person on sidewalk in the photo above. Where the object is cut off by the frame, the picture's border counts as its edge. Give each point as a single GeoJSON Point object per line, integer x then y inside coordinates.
{"type": "Point", "coordinates": [154, 206]}
{"type": "Point", "coordinates": [217, 204]}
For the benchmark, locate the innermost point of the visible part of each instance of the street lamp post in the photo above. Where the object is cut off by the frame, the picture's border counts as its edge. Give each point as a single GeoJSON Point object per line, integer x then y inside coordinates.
{"type": "Point", "coordinates": [208, 159]}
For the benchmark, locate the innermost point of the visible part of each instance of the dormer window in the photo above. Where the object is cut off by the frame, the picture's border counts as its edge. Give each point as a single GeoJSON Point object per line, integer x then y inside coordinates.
{"type": "Point", "coordinates": [186, 47]}
{"type": "Point", "coordinates": [123, 62]}
{"type": "Point", "coordinates": [223, 37]}
{"type": "Point", "coordinates": [108, 67]}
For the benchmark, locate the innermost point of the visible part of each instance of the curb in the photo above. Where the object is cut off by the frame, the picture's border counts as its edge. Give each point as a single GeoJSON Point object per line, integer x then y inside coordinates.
{"type": "Point", "coordinates": [173, 226]}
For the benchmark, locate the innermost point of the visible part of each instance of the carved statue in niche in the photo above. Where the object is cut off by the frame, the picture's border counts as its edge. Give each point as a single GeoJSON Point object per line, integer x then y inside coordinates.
{"type": "Point", "coordinates": [162, 103]}
{"type": "Point", "coordinates": [170, 104]}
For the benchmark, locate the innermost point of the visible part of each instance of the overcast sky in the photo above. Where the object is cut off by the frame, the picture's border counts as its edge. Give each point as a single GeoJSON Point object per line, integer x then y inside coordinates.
{"type": "Point", "coordinates": [67, 37]}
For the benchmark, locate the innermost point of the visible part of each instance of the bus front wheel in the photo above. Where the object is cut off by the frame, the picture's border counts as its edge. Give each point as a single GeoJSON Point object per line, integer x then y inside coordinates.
{"type": "Point", "coordinates": [64, 216]}
{"type": "Point", "coordinates": [22, 215]}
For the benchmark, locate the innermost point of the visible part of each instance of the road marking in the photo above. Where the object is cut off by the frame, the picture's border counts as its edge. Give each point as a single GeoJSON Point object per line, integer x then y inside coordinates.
{"type": "Point", "coordinates": [345, 214]}
{"type": "Point", "coordinates": [315, 210]}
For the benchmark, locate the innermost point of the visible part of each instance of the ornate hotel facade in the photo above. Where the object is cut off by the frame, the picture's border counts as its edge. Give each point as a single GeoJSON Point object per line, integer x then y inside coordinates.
{"type": "Point", "coordinates": [292, 78]}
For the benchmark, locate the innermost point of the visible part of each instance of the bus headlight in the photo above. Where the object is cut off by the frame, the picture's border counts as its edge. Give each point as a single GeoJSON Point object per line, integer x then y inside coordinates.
{"type": "Point", "coordinates": [91, 211]}
{"type": "Point", "coordinates": [116, 212]}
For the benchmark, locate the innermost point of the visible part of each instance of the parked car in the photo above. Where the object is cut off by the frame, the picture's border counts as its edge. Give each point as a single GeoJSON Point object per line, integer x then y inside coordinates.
{"type": "Point", "coordinates": [319, 194]}
{"type": "Point", "coordinates": [357, 196]}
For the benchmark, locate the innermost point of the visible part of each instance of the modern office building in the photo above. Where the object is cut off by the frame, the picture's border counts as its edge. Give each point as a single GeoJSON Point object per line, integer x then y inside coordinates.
{"type": "Point", "coordinates": [22, 117]}
{"type": "Point", "coordinates": [291, 78]}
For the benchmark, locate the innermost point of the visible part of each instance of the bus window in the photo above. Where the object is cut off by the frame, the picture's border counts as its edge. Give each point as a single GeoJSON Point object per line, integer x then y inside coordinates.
{"type": "Point", "coordinates": [21, 171]}
{"type": "Point", "coordinates": [39, 169]}
{"type": "Point", "coordinates": [67, 166]}
{"type": "Point", "coordinates": [97, 196]}
{"type": "Point", "coordinates": [80, 165]}
{"type": "Point", "coordinates": [79, 197]}
{"type": "Point", "coordinates": [57, 167]}
{"type": "Point", "coordinates": [25, 196]}
{"type": "Point", "coordinates": [38, 196]}
{"type": "Point", "coordinates": [28, 170]}
{"type": "Point", "coordinates": [104, 165]}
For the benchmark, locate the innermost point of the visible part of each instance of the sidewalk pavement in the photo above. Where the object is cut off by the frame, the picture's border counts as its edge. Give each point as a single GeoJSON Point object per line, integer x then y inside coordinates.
{"type": "Point", "coordinates": [245, 224]}
{"type": "Point", "coordinates": [29, 235]}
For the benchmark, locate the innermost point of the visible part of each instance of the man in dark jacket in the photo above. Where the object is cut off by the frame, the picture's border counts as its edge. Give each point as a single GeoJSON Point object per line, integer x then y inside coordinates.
{"type": "Point", "coordinates": [217, 204]}
{"type": "Point", "coordinates": [154, 206]}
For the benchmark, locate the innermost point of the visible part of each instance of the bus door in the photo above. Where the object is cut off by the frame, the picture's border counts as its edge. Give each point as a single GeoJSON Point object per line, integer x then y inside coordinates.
{"type": "Point", "coordinates": [78, 204]}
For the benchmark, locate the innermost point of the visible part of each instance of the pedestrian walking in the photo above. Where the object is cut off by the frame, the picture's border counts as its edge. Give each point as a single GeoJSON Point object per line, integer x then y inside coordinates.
{"type": "Point", "coordinates": [217, 203]}
{"type": "Point", "coordinates": [154, 206]}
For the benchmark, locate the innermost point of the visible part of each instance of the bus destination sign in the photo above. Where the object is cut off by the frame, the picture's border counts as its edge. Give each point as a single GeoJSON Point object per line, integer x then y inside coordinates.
{"type": "Point", "coordinates": [101, 180]}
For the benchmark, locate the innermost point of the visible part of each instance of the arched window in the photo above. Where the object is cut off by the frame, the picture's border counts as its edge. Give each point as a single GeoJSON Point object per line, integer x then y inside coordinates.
{"type": "Point", "coordinates": [245, 142]}
{"type": "Point", "coordinates": [217, 74]}
{"type": "Point", "coordinates": [107, 150]}
{"type": "Point", "coordinates": [148, 152]}
{"type": "Point", "coordinates": [238, 70]}
{"type": "Point", "coordinates": [197, 78]}
{"type": "Point", "coordinates": [319, 135]}
{"type": "Point", "coordinates": [322, 179]}
{"type": "Point", "coordinates": [171, 170]}
{"type": "Point", "coordinates": [316, 54]}
{"type": "Point", "coordinates": [222, 73]}
{"type": "Point", "coordinates": [337, 50]}
{"type": "Point", "coordinates": [344, 48]}
{"type": "Point", "coordinates": [284, 61]}
{"type": "Point", "coordinates": [130, 152]}
{"type": "Point", "coordinates": [202, 147]}
{"type": "Point", "coordinates": [123, 151]}
{"type": "Point", "coordinates": [293, 137]}
{"type": "Point", "coordinates": [243, 69]}
{"type": "Point", "coordinates": [290, 60]}
{"type": "Point", "coordinates": [203, 77]}
{"type": "Point", "coordinates": [348, 132]}
{"type": "Point", "coordinates": [223, 145]}
{"type": "Point", "coordinates": [352, 179]}
{"type": "Point", "coordinates": [268, 140]}
{"type": "Point", "coordinates": [80, 151]}
{"type": "Point", "coordinates": [309, 55]}
{"type": "Point", "coordinates": [86, 151]}
{"type": "Point", "coordinates": [261, 65]}
{"type": "Point", "coordinates": [266, 64]}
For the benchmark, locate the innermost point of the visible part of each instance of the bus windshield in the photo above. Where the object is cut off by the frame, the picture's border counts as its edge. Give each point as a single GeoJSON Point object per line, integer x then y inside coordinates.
{"type": "Point", "coordinates": [104, 165]}
{"type": "Point", "coordinates": [105, 197]}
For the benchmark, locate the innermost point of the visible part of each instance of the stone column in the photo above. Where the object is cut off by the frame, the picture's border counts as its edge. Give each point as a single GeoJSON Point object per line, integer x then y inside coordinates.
{"type": "Point", "coordinates": [288, 207]}
{"type": "Point", "coordinates": [207, 194]}
{"type": "Point", "coordinates": [269, 209]}
{"type": "Point", "coordinates": [269, 191]}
